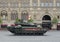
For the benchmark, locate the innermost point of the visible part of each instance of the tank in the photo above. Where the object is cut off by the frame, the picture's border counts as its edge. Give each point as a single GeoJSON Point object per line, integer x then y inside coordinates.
{"type": "Point", "coordinates": [25, 28]}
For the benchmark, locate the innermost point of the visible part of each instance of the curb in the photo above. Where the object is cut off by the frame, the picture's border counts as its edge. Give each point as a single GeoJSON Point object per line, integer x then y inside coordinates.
{"type": "Point", "coordinates": [53, 29]}
{"type": "Point", "coordinates": [3, 29]}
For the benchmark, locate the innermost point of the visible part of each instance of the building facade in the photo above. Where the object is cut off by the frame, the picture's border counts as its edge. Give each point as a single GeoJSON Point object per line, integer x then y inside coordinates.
{"type": "Point", "coordinates": [38, 10]}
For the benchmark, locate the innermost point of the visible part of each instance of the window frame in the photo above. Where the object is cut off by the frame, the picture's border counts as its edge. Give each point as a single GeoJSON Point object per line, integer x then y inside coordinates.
{"type": "Point", "coordinates": [14, 15]}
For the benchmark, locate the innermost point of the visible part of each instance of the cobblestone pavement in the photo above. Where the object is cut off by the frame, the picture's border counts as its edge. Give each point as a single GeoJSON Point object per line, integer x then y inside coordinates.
{"type": "Point", "coordinates": [50, 36]}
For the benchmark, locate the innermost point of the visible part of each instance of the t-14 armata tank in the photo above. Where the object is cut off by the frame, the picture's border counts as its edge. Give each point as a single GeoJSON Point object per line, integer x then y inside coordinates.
{"type": "Point", "coordinates": [24, 28]}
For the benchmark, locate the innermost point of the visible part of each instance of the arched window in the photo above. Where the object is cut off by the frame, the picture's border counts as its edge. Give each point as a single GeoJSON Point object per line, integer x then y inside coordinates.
{"type": "Point", "coordinates": [4, 15]}
{"type": "Point", "coordinates": [14, 15]}
{"type": "Point", "coordinates": [24, 15]}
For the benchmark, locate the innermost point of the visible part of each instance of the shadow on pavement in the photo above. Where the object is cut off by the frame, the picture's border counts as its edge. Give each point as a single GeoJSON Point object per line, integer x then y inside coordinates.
{"type": "Point", "coordinates": [26, 35]}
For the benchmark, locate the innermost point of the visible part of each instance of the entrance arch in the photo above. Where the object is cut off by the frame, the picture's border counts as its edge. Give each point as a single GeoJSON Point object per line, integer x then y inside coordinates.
{"type": "Point", "coordinates": [46, 22]}
{"type": "Point", "coordinates": [46, 17]}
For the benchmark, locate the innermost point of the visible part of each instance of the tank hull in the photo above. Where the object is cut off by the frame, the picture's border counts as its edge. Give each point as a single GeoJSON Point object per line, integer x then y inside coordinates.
{"type": "Point", "coordinates": [27, 30]}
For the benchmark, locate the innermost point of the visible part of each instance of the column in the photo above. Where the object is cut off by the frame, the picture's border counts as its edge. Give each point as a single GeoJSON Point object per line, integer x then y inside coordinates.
{"type": "Point", "coordinates": [38, 4]}
{"type": "Point", "coordinates": [54, 4]}
{"type": "Point", "coordinates": [19, 5]}
{"type": "Point", "coordinates": [19, 12]}
{"type": "Point", "coordinates": [30, 4]}
{"type": "Point", "coordinates": [9, 16]}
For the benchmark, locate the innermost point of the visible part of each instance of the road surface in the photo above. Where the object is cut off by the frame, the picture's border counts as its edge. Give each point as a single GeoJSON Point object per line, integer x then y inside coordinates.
{"type": "Point", "coordinates": [50, 36]}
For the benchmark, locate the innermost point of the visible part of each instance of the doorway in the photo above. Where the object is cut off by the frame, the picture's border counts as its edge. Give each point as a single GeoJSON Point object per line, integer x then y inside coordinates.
{"type": "Point", "coordinates": [46, 22]}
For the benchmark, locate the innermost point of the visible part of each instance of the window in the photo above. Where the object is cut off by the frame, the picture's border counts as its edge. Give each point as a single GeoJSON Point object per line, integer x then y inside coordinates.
{"type": "Point", "coordinates": [35, 3]}
{"type": "Point", "coordinates": [4, 15]}
{"type": "Point", "coordinates": [58, 4]}
{"type": "Point", "coordinates": [46, 3]}
{"type": "Point", "coordinates": [24, 15]}
{"type": "Point", "coordinates": [34, 16]}
{"type": "Point", "coordinates": [58, 17]}
{"type": "Point", "coordinates": [25, 3]}
{"type": "Point", "coordinates": [50, 4]}
{"type": "Point", "coordinates": [14, 15]}
{"type": "Point", "coordinates": [14, 5]}
{"type": "Point", "coordinates": [42, 5]}
{"type": "Point", "coordinates": [3, 5]}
